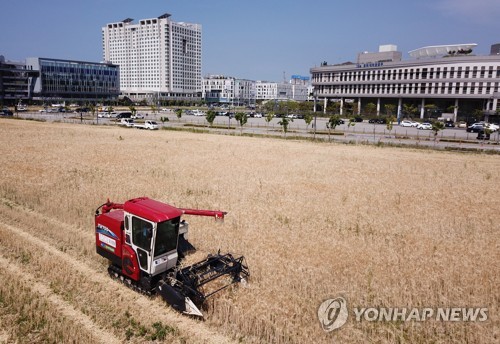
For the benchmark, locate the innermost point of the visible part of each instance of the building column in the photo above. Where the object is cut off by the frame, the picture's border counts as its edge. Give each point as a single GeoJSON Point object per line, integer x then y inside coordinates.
{"type": "Point", "coordinates": [422, 109]}
{"type": "Point", "coordinates": [325, 102]}
{"type": "Point", "coordinates": [400, 105]}
{"type": "Point", "coordinates": [359, 106]}
{"type": "Point", "coordinates": [378, 107]}
{"type": "Point", "coordinates": [495, 105]}
{"type": "Point", "coordinates": [341, 106]}
{"type": "Point", "coordinates": [455, 111]}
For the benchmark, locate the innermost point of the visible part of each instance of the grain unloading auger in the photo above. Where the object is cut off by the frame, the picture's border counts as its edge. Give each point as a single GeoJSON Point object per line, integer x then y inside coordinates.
{"type": "Point", "coordinates": [145, 240]}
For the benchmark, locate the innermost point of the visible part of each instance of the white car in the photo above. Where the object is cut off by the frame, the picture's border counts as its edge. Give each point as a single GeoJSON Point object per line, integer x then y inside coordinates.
{"type": "Point", "coordinates": [493, 127]}
{"type": "Point", "coordinates": [127, 122]}
{"type": "Point", "coordinates": [106, 114]}
{"type": "Point", "coordinates": [406, 123]}
{"type": "Point", "coordinates": [138, 116]}
{"type": "Point", "coordinates": [425, 126]}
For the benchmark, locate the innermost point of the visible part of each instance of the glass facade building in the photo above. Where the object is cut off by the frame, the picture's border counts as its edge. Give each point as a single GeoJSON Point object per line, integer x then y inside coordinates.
{"type": "Point", "coordinates": [14, 82]}
{"type": "Point", "coordinates": [73, 80]}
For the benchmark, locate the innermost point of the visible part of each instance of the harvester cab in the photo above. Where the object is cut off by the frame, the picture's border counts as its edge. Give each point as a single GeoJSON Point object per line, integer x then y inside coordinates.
{"type": "Point", "coordinates": [144, 240]}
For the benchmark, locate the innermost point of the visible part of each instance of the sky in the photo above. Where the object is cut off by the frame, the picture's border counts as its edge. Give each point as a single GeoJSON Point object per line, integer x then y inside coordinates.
{"type": "Point", "coordinates": [259, 39]}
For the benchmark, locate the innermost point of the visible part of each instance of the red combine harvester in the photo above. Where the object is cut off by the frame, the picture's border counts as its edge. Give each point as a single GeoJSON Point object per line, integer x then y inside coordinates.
{"type": "Point", "coordinates": [144, 241]}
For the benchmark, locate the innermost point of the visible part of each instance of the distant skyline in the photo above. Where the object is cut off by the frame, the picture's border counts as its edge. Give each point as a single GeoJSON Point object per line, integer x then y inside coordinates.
{"type": "Point", "coordinates": [257, 40]}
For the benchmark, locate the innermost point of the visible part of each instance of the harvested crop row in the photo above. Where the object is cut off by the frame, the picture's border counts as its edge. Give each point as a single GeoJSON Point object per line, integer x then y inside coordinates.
{"type": "Point", "coordinates": [134, 316]}
{"type": "Point", "coordinates": [34, 314]}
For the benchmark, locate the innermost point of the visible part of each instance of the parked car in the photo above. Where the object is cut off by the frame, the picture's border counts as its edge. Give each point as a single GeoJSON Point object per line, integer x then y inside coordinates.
{"type": "Point", "coordinates": [358, 119]}
{"type": "Point", "coordinates": [128, 122]}
{"type": "Point", "coordinates": [425, 126]}
{"type": "Point", "coordinates": [107, 114]}
{"type": "Point", "coordinates": [407, 123]}
{"type": "Point", "coordinates": [493, 127]}
{"type": "Point", "coordinates": [461, 124]}
{"type": "Point", "coordinates": [124, 115]}
{"type": "Point", "coordinates": [83, 109]}
{"type": "Point", "coordinates": [6, 112]}
{"type": "Point", "coordinates": [449, 124]}
{"type": "Point", "coordinates": [258, 115]}
{"type": "Point", "coordinates": [475, 128]}
{"type": "Point", "coordinates": [197, 113]}
{"type": "Point", "coordinates": [137, 116]}
{"type": "Point", "coordinates": [377, 121]}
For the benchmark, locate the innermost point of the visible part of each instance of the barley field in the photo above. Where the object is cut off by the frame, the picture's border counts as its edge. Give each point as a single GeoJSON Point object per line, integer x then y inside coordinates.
{"type": "Point", "coordinates": [382, 227]}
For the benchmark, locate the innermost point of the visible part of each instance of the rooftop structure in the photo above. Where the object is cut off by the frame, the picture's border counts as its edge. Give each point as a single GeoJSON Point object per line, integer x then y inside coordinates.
{"type": "Point", "coordinates": [442, 50]}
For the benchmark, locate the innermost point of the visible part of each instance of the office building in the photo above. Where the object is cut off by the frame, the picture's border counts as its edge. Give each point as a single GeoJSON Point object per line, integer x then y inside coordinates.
{"type": "Point", "coordinates": [159, 59]}
{"type": "Point", "coordinates": [495, 49]}
{"type": "Point", "coordinates": [292, 90]}
{"type": "Point", "coordinates": [449, 77]}
{"type": "Point", "coordinates": [14, 80]}
{"type": "Point", "coordinates": [220, 89]}
{"type": "Point", "coordinates": [55, 80]}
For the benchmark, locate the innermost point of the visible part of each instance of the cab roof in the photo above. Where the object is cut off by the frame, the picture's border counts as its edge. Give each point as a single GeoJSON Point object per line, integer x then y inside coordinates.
{"type": "Point", "coordinates": [151, 210]}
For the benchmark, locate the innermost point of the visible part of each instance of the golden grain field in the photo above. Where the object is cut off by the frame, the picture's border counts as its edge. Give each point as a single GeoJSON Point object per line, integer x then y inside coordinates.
{"type": "Point", "coordinates": [382, 227]}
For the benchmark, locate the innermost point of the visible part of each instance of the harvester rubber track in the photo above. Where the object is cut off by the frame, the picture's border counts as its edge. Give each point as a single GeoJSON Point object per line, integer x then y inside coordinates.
{"type": "Point", "coordinates": [116, 274]}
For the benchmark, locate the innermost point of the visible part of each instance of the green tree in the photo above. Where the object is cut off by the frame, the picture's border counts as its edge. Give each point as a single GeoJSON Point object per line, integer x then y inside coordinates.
{"type": "Point", "coordinates": [92, 109]}
{"type": "Point", "coordinates": [332, 123]}
{"type": "Point", "coordinates": [370, 109]}
{"type": "Point", "coordinates": [308, 117]}
{"type": "Point", "coordinates": [437, 126]}
{"type": "Point", "coordinates": [351, 123]}
{"type": "Point", "coordinates": [389, 109]}
{"type": "Point", "coordinates": [178, 113]}
{"type": "Point", "coordinates": [332, 107]}
{"type": "Point", "coordinates": [284, 124]}
{"type": "Point", "coordinates": [430, 109]}
{"type": "Point", "coordinates": [351, 109]}
{"type": "Point", "coordinates": [242, 118]}
{"type": "Point", "coordinates": [210, 117]}
{"type": "Point", "coordinates": [390, 123]}
{"type": "Point", "coordinates": [133, 110]}
{"type": "Point", "coordinates": [164, 119]}
{"type": "Point", "coordinates": [269, 118]}
{"type": "Point", "coordinates": [409, 110]}
{"type": "Point", "coordinates": [109, 110]}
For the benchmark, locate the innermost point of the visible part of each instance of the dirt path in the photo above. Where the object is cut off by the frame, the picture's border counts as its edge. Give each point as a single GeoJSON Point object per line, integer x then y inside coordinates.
{"type": "Point", "coordinates": [196, 331]}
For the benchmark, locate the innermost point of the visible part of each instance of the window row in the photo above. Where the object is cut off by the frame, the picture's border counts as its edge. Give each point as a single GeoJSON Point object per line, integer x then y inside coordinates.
{"type": "Point", "coordinates": [422, 88]}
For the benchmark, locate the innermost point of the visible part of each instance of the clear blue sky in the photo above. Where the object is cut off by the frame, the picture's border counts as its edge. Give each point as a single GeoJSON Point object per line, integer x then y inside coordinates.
{"type": "Point", "coordinates": [258, 40]}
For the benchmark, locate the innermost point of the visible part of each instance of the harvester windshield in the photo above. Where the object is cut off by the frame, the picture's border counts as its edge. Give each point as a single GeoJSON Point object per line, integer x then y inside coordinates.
{"type": "Point", "coordinates": [166, 236]}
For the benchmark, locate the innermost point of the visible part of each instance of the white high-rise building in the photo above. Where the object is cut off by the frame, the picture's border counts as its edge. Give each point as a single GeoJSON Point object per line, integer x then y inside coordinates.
{"type": "Point", "coordinates": [224, 89]}
{"type": "Point", "coordinates": [158, 58]}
